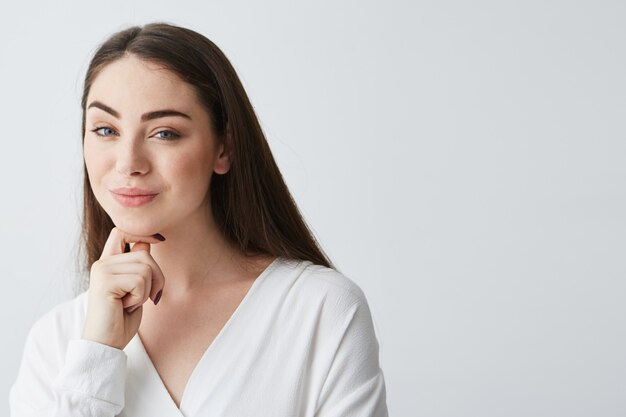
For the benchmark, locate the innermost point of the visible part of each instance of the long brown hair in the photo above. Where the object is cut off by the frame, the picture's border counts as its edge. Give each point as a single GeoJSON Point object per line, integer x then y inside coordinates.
{"type": "Point", "coordinates": [251, 203]}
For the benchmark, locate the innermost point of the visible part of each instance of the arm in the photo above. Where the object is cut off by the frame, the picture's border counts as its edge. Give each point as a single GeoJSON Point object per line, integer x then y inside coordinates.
{"type": "Point", "coordinates": [355, 385]}
{"type": "Point", "coordinates": [61, 375]}
{"type": "Point", "coordinates": [90, 382]}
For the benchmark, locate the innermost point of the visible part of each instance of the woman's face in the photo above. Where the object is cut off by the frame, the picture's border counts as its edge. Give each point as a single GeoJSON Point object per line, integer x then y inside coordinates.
{"type": "Point", "coordinates": [127, 145]}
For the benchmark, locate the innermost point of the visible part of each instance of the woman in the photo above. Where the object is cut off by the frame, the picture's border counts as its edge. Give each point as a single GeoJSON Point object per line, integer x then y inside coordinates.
{"type": "Point", "coordinates": [246, 315]}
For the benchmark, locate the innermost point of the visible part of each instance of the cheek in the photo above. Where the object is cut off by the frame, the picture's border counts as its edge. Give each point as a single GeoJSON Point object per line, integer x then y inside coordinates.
{"type": "Point", "coordinates": [191, 171]}
{"type": "Point", "coordinates": [89, 159]}
{"type": "Point", "coordinates": [92, 162]}
{"type": "Point", "coordinates": [97, 164]}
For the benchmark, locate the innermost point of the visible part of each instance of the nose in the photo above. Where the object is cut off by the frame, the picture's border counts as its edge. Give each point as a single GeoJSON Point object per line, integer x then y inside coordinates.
{"type": "Point", "coordinates": [131, 157]}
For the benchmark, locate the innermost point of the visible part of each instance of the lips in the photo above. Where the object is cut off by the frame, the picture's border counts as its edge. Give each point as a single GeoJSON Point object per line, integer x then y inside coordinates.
{"type": "Point", "coordinates": [133, 191]}
{"type": "Point", "coordinates": [132, 196]}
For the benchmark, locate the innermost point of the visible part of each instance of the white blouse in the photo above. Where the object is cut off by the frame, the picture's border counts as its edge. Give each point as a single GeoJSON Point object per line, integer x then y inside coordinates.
{"type": "Point", "coordinates": [301, 343]}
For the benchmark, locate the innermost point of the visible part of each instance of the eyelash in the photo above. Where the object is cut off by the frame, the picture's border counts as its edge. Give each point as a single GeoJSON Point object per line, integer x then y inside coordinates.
{"type": "Point", "coordinates": [174, 134]}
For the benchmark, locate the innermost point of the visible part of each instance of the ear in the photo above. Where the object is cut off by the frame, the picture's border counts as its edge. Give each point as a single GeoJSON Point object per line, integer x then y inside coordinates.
{"type": "Point", "coordinates": [225, 153]}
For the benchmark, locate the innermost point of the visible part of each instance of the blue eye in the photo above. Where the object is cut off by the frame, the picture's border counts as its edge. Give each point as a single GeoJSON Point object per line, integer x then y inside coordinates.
{"type": "Point", "coordinates": [172, 136]}
{"type": "Point", "coordinates": [99, 128]}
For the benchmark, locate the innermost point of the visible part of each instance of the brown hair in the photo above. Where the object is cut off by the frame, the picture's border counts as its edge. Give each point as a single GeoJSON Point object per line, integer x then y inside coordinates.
{"type": "Point", "coordinates": [251, 203]}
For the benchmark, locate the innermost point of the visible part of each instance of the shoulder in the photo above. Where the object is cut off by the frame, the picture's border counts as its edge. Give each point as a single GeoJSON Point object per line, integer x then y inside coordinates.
{"type": "Point", "coordinates": [324, 298]}
{"type": "Point", "coordinates": [321, 283]}
{"type": "Point", "coordinates": [327, 311]}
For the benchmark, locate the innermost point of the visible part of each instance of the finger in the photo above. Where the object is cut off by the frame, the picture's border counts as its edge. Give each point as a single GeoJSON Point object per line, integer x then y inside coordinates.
{"type": "Point", "coordinates": [137, 256]}
{"type": "Point", "coordinates": [140, 246]}
{"type": "Point", "coordinates": [158, 280]}
{"type": "Point", "coordinates": [138, 285]}
{"type": "Point", "coordinates": [132, 266]}
{"type": "Point", "coordinates": [129, 288]}
{"type": "Point", "coordinates": [134, 262]}
{"type": "Point", "coordinates": [130, 310]}
{"type": "Point", "coordinates": [118, 238]}
{"type": "Point", "coordinates": [142, 268]}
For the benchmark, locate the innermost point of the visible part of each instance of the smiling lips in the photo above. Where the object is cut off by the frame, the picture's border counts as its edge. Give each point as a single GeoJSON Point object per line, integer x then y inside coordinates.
{"type": "Point", "coordinates": [133, 197]}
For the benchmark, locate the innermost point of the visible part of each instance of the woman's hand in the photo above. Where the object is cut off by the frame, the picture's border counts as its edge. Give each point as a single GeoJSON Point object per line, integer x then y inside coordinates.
{"type": "Point", "coordinates": [119, 285]}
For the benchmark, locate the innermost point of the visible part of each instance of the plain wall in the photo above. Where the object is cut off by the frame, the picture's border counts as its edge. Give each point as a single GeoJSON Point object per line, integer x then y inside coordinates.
{"type": "Point", "coordinates": [462, 162]}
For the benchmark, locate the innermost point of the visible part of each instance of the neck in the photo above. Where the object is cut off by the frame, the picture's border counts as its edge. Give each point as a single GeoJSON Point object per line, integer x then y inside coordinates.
{"type": "Point", "coordinates": [195, 255]}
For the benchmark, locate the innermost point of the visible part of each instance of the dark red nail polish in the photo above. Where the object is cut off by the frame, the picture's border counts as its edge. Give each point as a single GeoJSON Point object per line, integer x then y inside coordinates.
{"type": "Point", "coordinates": [159, 236]}
{"type": "Point", "coordinates": [158, 297]}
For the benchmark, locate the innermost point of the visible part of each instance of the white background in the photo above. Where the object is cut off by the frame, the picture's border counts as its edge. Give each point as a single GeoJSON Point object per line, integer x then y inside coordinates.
{"type": "Point", "coordinates": [461, 161]}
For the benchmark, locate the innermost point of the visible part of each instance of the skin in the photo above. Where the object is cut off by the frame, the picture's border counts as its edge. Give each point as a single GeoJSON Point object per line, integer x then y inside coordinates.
{"type": "Point", "coordinates": [202, 276]}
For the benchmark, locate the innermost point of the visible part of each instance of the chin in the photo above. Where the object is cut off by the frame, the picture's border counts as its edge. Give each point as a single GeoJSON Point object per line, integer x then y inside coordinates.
{"type": "Point", "coordinates": [140, 225]}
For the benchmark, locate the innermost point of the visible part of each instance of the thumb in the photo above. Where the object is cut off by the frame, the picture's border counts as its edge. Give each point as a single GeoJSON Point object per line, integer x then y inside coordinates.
{"type": "Point", "coordinates": [140, 246]}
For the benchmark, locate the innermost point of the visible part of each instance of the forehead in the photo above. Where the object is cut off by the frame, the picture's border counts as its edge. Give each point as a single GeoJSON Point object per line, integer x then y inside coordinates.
{"type": "Point", "coordinates": [132, 85]}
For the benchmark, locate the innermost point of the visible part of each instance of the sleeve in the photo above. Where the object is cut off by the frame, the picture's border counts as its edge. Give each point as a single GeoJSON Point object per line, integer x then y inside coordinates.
{"type": "Point", "coordinates": [90, 382]}
{"type": "Point", "coordinates": [355, 384]}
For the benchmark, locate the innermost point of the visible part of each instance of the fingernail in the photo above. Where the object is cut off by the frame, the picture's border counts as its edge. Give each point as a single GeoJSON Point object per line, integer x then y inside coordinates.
{"type": "Point", "coordinates": [158, 236]}
{"type": "Point", "coordinates": [158, 297]}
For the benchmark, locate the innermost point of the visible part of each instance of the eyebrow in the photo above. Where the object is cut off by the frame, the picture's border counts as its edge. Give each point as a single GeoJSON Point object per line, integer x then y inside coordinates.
{"type": "Point", "coordinates": [145, 117]}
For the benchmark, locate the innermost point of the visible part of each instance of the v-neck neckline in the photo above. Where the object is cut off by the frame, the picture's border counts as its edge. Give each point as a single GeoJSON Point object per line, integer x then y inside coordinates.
{"type": "Point", "coordinates": [183, 409]}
